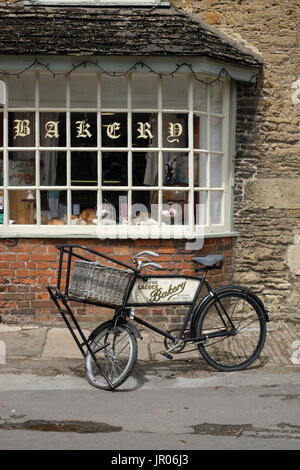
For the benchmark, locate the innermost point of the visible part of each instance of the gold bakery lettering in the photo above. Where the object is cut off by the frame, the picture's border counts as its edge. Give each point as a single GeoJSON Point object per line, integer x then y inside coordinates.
{"type": "Point", "coordinates": [21, 128]}
{"type": "Point", "coordinates": [144, 130]}
{"type": "Point", "coordinates": [175, 131]}
{"type": "Point", "coordinates": [112, 130]}
{"type": "Point", "coordinates": [158, 294]}
{"type": "Point", "coordinates": [82, 128]}
{"type": "Point", "coordinates": [51, 128]}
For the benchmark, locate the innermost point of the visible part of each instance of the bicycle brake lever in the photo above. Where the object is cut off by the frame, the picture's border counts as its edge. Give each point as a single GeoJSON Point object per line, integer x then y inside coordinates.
{"type": "Point", "coordinates": [155, 265]}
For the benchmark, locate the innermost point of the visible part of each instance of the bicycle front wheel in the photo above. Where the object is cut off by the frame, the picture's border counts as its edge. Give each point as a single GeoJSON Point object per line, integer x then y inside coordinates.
{"type": "Point", "coordinates": [115, 350]}
{"type": "Point", "coordinates": [240, 323]}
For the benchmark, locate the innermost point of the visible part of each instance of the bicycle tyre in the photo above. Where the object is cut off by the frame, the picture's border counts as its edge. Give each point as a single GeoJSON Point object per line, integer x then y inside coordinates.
{"type": "Point", "coordinates": [238, 351]}
{"type": "Point", "coordinates": [117, 359]}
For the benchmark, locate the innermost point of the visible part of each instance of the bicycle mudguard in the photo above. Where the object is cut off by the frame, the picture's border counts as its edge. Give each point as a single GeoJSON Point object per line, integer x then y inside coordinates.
{"type": "Point", "coordinates": [244, 290]}
{"type": "Point", "coordinates": [250, 294]}
{"type": "Point", "coordinates": [111, 323]}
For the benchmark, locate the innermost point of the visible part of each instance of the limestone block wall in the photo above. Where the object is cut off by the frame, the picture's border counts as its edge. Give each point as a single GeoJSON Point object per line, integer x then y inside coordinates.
{"type": "Point", "coordinates": [267, 169]}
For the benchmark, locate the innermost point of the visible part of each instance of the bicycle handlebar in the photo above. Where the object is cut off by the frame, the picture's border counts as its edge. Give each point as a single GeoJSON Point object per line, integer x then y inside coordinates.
{"type": "Point", "coordinates": [150, 253]}
{"type": "Point", "coordinates": [139, 263]}
{"type": "Point", "coordinates": [155, 265]}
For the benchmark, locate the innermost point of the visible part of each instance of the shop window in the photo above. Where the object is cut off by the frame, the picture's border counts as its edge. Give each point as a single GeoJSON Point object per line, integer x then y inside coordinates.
{"type": "Point", "coordinates": [95, 149]}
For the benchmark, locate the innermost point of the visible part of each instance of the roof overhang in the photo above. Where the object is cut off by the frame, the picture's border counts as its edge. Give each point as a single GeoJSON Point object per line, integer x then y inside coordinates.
{"type": "Point", "coordinates": [38, 31]}
{"type": "Point", "coordinates": [122, 65]}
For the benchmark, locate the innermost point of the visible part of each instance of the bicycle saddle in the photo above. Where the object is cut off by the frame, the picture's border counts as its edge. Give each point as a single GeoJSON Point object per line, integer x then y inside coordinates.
{"type": "Point", "coordinates": [209, 260]}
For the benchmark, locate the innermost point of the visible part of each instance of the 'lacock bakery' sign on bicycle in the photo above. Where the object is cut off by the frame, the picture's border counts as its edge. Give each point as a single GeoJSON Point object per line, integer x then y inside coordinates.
{"type": "Point", "coordinates": [163, 290]}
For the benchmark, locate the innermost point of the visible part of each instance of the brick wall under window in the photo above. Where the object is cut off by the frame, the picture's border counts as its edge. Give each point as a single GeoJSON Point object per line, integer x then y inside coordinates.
{"type": "Point", "coordinates": [27, 266]}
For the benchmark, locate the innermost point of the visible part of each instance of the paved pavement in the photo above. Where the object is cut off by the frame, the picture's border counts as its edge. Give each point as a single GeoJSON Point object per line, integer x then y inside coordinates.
{"type": "Point", "coordinates": [49, 351]}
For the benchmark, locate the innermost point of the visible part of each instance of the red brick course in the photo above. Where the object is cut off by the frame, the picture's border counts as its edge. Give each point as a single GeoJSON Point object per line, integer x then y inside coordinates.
{"type": "Point", "coordinates": [27, 266]}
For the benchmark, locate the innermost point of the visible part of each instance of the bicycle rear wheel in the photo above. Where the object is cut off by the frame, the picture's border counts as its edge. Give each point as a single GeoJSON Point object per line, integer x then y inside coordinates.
{"type": "Point", "coordinates": [115, 349]}
{"type": "Point", "coordinates": [244, 321]}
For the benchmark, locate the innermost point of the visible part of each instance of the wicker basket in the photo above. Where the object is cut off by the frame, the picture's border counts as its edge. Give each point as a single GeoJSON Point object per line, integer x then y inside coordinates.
{"type": "Point", "coordinates": [96, 282]}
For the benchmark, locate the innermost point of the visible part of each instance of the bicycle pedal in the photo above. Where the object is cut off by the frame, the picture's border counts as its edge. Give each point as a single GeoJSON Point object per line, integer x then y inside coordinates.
{"type": "Point", "coordinates": [167, 355]}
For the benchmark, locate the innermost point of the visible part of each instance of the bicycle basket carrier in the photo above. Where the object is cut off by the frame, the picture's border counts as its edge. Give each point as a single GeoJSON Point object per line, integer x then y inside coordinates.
{"type": "Point", "coordinates": [82, 279]}
{"type": "Point", "coordinates": [95, 282]}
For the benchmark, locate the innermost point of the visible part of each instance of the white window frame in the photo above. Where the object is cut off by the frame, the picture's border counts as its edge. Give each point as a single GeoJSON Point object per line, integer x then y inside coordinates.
{"type": "Point", "coordinates": [39, 230]}
{"type": "Point", "coordinates": [96, 3]}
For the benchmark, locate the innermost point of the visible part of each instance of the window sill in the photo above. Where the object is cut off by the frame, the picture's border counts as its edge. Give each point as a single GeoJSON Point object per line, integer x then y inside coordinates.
{"type": "Point", "coordinates": [113, 232]}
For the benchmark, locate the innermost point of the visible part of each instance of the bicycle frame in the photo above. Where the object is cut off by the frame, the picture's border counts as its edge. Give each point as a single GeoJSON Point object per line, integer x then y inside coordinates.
{"type": "Point", "coordinates": [62, 299]}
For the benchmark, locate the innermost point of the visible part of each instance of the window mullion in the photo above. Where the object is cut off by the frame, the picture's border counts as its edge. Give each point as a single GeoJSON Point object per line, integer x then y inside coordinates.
{"type": "Point", "coordinates": [99, 152]}
{"type": "Point", "coordinates": [37, 152]}
{"type": "Point", "coordinates": [226, 159]}
{"type": "Point", "coordinates": [129, 143]}
{"type": "Point", "coordinates": [5, 158]}
{"type": "Point", "coordinates": [160, 154]}
{"type": "Point", "coordinates": [191, 153]}
{"type": "Point", "coordinates": [68, 143]}
{"type": "Point", "coordinates": [208, 194]}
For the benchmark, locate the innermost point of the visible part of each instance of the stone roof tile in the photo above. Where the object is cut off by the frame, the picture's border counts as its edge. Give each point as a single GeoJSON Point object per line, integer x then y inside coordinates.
{"type": "Point", "coordinates": [36, 30]}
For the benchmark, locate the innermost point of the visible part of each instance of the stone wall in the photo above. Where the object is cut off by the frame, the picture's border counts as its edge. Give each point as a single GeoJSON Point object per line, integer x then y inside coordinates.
{"type": "Point", "coordinates": [267, 179]}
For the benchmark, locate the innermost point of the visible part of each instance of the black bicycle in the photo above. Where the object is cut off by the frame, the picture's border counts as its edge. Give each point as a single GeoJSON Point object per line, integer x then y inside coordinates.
{"type": "Point", "coordinates": [227, 325]}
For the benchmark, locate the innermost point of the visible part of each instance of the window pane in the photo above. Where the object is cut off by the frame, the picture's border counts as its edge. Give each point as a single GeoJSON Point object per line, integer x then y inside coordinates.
{"type": "Point", "coordinates": [53, 129]}
{"type": "Point", "coordinates": [84, 129]}
{"type": "Point", "coordinates": [113, 92]}
{"type": "Point", "coordinates": [114, 129]}
{"type": "Point", "coordinates": [200, 169]}
{"type": "Point", "coordinates": [53, 207]}
{"type": "Point", "coordinates": [53, 168]}
{"type": "Point", "coordinates": [200, 132]}
{"type": "Point", "coordinates": [215, 134]}
{"type": "Point", "coordinates": [216, 97]}
{"type": "Point", "coordinates": [144, 91]}
{"type": "Point", "coordinates": [83, 90]}
{"type": "Point", "coordinates": [200, 96]}
{"type": "Point", "coordinates": [114, 169]}
{"type": "Point", "coordinates": [175, 207]}
{"type": "Point", "coordinates": [216, 171]}
{"type": "Point", "coordinates": [215, 207]}
{"type": "Point", "coordinates": [21, 91]}
{"type": "Point", "coordinates": [176, 168]}
{"type": "Point", "coordinates": [21, 129]}
{"type": "Point", "coordinates": [200, 201]}
{"type": "Point", "coordinates": [1, 170]}
{"type": "Point", "coordinates": [52, 91]}
{"type": "Point", "coordinates": [2, 93]}
{"type": "Point", "coordinates": [144, 130]}
{"type": "Point", "coordinates": [114, 207]}
{"type": "Point", "coordinates": [1, 204]}
{"type": "Point", "coordinates": [144, 168]}
{"type": "Point", "coordinates": [175, 92]}
{"type": "Point", "coordinates": [21, 169]}
{"type": "Point", "coordinates": [1, 129]}
{"type": "Point", "coordinates": [175, 130]}
{"type": "Point", "coordinates": [84, 169]}
{"type": "Point", "coordinates": [84, 203]}
{"type": "Point", "coordinates": [144, 207]}
{"type": "Point", "coordinates": [22, 207]}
